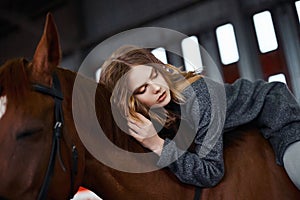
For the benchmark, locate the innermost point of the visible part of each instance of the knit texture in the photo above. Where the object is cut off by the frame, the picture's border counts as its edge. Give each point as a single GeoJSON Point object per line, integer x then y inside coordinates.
{"type": "Point", "coordinates": [271, 105]}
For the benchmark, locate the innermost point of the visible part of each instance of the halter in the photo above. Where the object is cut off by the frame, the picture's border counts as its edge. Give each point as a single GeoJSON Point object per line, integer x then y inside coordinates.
{"type": "Point", "coordinates": [55, 92]}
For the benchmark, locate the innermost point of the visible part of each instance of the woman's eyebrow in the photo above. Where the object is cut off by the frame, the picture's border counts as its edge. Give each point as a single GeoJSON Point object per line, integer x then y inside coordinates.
{"type": "Point", "coordinates": [152, 72]}
{"type": "Point", "coordinates": [150, 76]}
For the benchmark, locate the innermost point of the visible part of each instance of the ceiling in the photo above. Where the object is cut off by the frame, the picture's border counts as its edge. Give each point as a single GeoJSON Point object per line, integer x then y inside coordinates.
{"type": "Point", "coordinates": [84, 23]}
{"type": "Point", "coordinates": [21, 21]}
{"type": "Point", "coordinates": [16, 15]}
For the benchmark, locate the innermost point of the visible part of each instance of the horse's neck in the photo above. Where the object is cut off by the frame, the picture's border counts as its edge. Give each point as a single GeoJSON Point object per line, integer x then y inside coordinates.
{"type": "Point", "coordinates": [112, 182]}
{"type": "Point", "coordinates": [109, 183]}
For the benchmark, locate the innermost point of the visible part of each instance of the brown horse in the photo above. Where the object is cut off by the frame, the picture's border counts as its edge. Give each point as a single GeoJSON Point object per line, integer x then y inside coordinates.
{"type": "Point", "coordinates": [43, 157]}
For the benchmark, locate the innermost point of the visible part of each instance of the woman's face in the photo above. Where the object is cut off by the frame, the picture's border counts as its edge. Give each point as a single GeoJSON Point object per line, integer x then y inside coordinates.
{"type": "Point", "coordinates": [149, 86]}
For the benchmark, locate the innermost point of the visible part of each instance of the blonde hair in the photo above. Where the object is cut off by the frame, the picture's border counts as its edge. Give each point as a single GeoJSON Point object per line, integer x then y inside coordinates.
{"type": "Point", "coordinates": [113, 76]}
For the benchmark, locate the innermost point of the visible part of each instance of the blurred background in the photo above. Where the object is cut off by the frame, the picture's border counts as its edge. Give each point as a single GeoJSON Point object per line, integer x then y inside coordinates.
{"type": "Point", "coordinates": [253, 39]}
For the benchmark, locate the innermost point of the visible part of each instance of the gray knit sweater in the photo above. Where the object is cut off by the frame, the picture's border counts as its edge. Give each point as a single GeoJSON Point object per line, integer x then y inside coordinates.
{"type": "Point", "coordinates": [212, 108]}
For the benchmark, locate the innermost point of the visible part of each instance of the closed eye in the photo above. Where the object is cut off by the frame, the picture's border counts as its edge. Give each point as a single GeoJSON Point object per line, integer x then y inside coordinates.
{"type": "Point", "coordinates": [27, 134]}
{"type": "Point", "coordinates": [140, 90]}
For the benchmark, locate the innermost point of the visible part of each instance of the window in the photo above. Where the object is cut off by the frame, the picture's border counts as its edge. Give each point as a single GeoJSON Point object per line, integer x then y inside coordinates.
{"type": "Point", "coordinates": [160, 53]}
{"type": "Point", "coordinates": [191, 54]}
{"type": "Point", "coordinates": [227, 44]}
{"type": "Point", "coordinates": [98, 72]}
{"type": "Point", "coordinates": [277, 77]}
{"type": "Point", "coordinates": [297, 4]}
{"type": "Point", "coordinates": [265, 32]}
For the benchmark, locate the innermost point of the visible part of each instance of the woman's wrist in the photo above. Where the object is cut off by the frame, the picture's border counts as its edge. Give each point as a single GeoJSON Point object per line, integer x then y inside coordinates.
{"type": "Point", "coordinates": [159, 144]}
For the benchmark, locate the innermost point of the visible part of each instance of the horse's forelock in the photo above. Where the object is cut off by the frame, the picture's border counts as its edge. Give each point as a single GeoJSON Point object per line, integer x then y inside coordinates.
{"type": "Point", "coordinates": [14, 80]}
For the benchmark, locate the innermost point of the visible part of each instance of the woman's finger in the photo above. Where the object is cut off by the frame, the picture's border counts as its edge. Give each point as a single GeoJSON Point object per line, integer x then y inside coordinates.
{"type": "Point", "coordinates": [140, 124]}
{"type": "Point", "coordinates": [135, 135]}
{"type": "Point", "coordinates": [133, 126]}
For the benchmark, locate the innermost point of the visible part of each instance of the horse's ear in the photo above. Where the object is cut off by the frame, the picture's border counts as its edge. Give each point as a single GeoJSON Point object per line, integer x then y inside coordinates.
{"type": "Point", "coordinates": [47, 55]}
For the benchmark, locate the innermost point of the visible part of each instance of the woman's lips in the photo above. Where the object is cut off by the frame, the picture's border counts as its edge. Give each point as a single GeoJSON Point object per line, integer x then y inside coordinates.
{"type": "Point", "coordinates": [162, 97]}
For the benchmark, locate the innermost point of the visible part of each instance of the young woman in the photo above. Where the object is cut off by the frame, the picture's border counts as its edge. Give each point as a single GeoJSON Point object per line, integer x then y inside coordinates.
{"type": "Point", "coordinates": [146, 91]}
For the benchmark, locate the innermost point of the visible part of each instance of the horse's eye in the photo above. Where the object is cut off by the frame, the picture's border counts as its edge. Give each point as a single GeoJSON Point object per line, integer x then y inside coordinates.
{"type": "Point", "coordinates": [27, 134]}
{"type": "Point", "coordinates": [24, 135]}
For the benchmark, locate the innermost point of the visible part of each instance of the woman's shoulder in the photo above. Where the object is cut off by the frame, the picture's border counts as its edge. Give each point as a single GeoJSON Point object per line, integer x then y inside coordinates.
{"type": "Point", "coordinates": [206, 91]}
{"type": "Point", "coordinates": [192, 83]}
{"type": "Point", "coordinates": [201, 85]}
{"type": "Point", "coordinates": [196, 93]}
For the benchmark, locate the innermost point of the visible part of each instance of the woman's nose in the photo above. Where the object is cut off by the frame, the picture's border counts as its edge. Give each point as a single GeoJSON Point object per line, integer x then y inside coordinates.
{"type": "Point", "coordinates": [155, 88]}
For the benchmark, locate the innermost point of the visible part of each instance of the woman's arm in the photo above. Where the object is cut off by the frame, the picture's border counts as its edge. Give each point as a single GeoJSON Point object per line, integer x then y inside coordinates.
{"type": "Point", "coordinates": [271, 105]}
{"type": "Point", "coordinates": [204, 112]}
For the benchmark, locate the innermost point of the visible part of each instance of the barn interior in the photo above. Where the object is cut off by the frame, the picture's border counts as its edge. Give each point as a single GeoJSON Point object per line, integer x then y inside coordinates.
{"type": "Point", "coordinates": [83, 25]}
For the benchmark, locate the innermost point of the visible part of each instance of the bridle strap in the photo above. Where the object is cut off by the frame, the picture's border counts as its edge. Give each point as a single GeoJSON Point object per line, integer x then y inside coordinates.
{"type": "Point", "coordinates": [55, 92]}
{"type": "Point", "coordinates": [74, 169]}
{"type": "Point", "coordinates": [198, 191]}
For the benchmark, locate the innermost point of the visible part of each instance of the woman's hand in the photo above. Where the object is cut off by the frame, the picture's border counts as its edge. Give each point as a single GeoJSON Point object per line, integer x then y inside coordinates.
{"type": "Point", "coordinates": [144, 132]}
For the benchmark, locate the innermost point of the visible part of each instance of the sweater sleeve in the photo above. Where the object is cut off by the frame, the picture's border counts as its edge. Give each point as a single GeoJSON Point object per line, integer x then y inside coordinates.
{"type": "Point", "coordinates": [205, 166]}
{"type": "Point", "coordinates": [245, 99]}
{"type": "Point", "coordinates": [271, 105]}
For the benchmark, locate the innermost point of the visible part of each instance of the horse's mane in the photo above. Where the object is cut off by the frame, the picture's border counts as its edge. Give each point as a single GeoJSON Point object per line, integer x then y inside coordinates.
{"type": "Point", "coordinates": [14, 81]}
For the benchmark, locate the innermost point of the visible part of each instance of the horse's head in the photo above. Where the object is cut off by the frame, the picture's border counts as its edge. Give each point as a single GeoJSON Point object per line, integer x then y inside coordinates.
{"type": "Point", "coordinates": [28, 139]}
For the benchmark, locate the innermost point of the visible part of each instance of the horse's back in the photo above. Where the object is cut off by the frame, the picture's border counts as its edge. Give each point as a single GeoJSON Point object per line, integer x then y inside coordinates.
{"type": "Point", "coordinates": [251, 171]}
